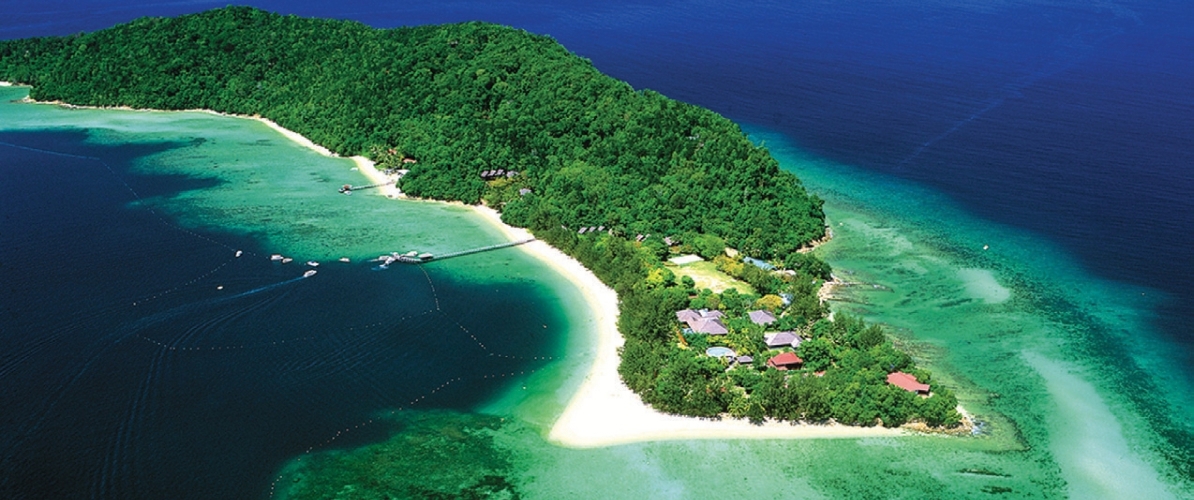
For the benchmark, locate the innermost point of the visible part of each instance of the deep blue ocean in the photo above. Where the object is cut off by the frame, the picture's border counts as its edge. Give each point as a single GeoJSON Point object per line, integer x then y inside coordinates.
{"type": "Point", "coordinates": [1070, 120]}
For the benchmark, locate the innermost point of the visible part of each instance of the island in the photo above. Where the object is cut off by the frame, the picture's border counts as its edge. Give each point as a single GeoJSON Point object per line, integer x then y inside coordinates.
{"type": "Point", "coordinates": [650, 194]}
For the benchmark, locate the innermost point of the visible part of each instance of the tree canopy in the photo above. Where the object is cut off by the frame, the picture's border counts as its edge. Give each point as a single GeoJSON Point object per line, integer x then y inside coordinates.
{"type": "Point", "coordinates": [461, 99]}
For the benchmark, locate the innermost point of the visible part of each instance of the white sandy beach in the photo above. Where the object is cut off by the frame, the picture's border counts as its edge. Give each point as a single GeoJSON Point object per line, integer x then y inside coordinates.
{"type": "Point", "coordinates": [603, 412]}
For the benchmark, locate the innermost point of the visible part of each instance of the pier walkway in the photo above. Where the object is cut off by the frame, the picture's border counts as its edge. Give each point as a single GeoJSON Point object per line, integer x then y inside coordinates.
{"type": "Point", "coordinates": [423, 258]}
{"type": "Point", "coordinates": [348, 188]}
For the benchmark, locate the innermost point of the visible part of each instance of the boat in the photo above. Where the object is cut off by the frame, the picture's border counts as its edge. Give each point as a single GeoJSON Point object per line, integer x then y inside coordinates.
{"type": "Point", "coordinates": [344, 259]}
{"type": "Point", "coordinates": [286, 260]}
{"type": "Point", "coordinates": [312, 263]}
{"type": "Point", "coordinates": [309, 273]}
{"type": "Point", "coordinates": [239, 253]}
{"type": "Point", "coordinates": [276, 256]}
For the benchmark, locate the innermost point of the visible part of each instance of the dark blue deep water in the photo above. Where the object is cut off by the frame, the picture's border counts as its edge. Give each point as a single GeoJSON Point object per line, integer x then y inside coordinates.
{"type": "Point", "coordinates": [126, 372]}
{"type": "Point", "coordinates": [1071, 120]}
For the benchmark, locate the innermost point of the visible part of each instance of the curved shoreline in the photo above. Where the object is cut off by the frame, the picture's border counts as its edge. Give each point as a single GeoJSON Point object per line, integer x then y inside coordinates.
{"type": "Point", "coordinates": [603, 411]}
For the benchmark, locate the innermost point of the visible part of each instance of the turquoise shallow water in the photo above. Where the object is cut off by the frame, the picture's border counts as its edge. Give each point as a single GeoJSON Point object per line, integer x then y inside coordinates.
{"type": "Point", "coordinates": [141, 357]}
{"type": "Point", "coordinates": [1026, 338]}
{"type": "Point", "coordinates": [1074, 395]}
{"type": "Point", "coordinates": [1046, 351]}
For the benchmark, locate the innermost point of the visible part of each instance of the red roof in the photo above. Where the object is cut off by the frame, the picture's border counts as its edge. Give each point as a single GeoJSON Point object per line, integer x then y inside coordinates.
{"type": "Point", "coordinates": [906, 382]}
{"type": "Point", "coordinates": [785, 361]}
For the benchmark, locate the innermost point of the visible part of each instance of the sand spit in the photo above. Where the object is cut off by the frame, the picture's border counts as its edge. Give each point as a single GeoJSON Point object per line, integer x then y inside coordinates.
{"type": "Point", "coordinates": [604, 412]}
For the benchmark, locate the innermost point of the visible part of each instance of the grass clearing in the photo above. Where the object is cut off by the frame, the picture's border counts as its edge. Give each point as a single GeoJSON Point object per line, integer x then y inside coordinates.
{"type": "Point", "coordinates": [706, 275]}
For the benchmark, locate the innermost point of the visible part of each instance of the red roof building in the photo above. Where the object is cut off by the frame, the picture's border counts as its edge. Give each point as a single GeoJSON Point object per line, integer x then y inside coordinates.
{"type": "Point", "coordinates": [907, 382]}
{"type": "Point", "coordinates": [785, 361]}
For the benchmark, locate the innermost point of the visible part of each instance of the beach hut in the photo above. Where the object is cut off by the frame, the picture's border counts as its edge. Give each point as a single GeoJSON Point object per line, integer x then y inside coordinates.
{"type": "Point", "coordinates": [785, 361]}
{"type": "Point", "coordinates": [907, 382]}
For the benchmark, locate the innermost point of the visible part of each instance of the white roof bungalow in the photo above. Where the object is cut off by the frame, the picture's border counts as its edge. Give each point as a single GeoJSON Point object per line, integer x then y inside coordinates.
{"type": "Point", "coordinates": [782, 339]}
{"type": "Point", "coordinates": [703, 321]}
{"type": "Point", "coordinates": [761, 317]}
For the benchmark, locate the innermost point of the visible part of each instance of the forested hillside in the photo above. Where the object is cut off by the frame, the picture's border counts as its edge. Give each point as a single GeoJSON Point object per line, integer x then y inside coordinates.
{"type": "Point", "coordinates": [462, 99]}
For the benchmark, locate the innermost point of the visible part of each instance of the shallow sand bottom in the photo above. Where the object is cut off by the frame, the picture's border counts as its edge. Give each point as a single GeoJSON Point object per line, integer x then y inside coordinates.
{"type": "Point", "coordinates": [1095, 459]}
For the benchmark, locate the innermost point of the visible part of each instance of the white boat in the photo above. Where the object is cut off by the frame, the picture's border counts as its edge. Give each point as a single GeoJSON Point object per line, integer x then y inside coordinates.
{"type": "Point", "coordinates": [239, 253]}
{"type": "Point", "coordinates": [312, 263]}
{"type": "Point", "coordinates": [344, 259]}
{"type": "Point", "coordinates": [286, 260]}
{"type": "Point", "coordinates": [309, 274]}
{"type": "Point", "coordinates": [276, 256]}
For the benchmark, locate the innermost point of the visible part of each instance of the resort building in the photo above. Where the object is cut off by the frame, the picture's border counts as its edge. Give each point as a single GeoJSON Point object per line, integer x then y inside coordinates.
{"type": "Point", "coordinates": [711, 326]}
{"type": "Point", "coordinates": [703, 321]}
{"type": "Point", "coordinates": [761, 317]}
{"type": "Point", "coordinates": [785, 361]}
{"type": "Point", "coordinates": [782, 339]}
{"type": "Point", "coordinates": [907, 382]}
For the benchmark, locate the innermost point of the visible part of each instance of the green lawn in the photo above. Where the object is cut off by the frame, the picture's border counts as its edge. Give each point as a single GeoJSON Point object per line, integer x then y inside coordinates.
{"type": "Point", "coordinates": [706, 275]}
